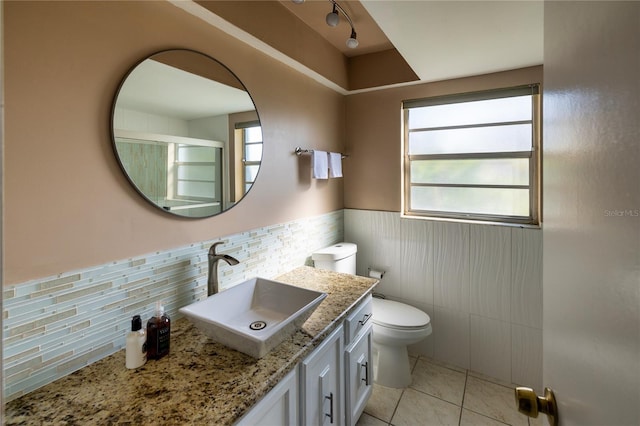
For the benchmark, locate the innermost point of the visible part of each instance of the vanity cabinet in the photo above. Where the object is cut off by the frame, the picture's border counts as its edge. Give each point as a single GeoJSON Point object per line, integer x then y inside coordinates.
{"type": "Point", "coordinates": [322, 383]}
{"type": "Point", "coordinates": [278, 407]}
{"type": "Point", "coordinates": [358, 361]}
{"type": "Point", "coordinates": [331, 386]}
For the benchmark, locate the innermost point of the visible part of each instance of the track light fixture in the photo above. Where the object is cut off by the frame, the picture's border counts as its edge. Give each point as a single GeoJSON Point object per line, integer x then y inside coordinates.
{"type": "Point", "coordinates": [352, 41]}
{"type": "Point", "coordinates": [333, 18]}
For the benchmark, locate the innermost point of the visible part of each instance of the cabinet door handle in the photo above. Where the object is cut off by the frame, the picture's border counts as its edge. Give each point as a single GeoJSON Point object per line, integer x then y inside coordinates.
{"type": "Point", "coordinates": [364, 319]}
{"type": "Point", "coordinates": [366, 373]}
{"type": "Point", "coordinates": [330, 415]}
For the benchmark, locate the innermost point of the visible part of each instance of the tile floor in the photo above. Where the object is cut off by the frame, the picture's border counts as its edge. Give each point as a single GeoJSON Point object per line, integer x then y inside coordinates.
{"type": "Point", "coordinates": [444, 395]}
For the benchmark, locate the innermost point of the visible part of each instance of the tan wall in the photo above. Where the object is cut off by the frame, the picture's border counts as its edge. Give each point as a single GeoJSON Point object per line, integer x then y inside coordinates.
{"type": "Point", "coordinates": [67, 203]}
{"type": "Point", "coordinates": [373, 171]}
{"type": "Point", "coordinates": [379, 69]}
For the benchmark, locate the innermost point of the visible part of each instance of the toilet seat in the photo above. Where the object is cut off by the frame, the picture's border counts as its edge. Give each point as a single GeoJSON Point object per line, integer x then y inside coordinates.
{"type": "Point", "coordinates": [396, 315]}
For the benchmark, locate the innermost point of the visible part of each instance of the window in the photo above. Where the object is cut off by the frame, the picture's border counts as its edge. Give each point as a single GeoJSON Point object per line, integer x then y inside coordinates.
{"type": "Point", "coordinates": [473, 156]}
{"type": "Point", "coordinates": [197, 173]}
{"type": "Point", "coordinates": [251, 152]}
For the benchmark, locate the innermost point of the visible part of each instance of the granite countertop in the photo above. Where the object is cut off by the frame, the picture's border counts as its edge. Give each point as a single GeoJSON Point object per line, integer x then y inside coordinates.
{"type": "Point", "coordinates": [199, 382]}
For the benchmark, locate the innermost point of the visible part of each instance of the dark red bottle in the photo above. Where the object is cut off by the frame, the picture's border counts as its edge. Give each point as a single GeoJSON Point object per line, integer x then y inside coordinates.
{"type": "Point", "coordinates": [158, 334]}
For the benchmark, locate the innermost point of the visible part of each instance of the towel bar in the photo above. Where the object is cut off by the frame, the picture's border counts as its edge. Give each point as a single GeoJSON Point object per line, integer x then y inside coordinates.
{"type": "Point", "coordinates": [299, 151]}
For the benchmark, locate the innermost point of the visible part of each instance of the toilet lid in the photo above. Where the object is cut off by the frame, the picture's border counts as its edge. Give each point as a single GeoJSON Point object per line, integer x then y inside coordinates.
{"type": "Point", "coordinates": [395, 314]}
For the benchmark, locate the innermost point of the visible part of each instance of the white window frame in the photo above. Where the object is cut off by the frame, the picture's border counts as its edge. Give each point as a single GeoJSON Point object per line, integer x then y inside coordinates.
{"type": "Point", "coordinates": [245, 163]}
{"type": "Point", "coordinates": [215, 183]}
{"type": "Point", "coordinates": [535, 170]}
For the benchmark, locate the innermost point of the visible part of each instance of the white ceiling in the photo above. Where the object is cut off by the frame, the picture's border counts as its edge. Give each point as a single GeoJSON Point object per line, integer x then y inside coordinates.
{"type": "Point", "coordinates": [441, 40]}
{"type": "Point", "coordinates": [160, 89]}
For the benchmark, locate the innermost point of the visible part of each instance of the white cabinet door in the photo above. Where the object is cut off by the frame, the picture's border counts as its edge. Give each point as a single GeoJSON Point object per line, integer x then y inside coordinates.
{"type": "Point", "coordinates": [359, 375]}
{"type": "Point", "coordinates": [278, 407]}
{"type": "Point", "coordinates": [322, 383]}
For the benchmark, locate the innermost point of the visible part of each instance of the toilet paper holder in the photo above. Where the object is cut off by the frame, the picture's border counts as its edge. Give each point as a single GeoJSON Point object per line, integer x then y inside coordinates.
{"type": "Point", "coordinates": [376, 273]}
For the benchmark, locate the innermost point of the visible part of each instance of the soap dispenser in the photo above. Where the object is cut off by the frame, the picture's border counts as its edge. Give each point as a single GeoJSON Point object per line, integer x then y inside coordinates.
{"type": "Point", "coordinates": [158, 333]}
{"type": "Point", "coordinates": [136, 348]}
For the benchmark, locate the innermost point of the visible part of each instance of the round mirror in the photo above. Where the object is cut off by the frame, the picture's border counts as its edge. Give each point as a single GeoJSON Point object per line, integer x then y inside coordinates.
{"type": "Point", "coordinates": [186, 133]}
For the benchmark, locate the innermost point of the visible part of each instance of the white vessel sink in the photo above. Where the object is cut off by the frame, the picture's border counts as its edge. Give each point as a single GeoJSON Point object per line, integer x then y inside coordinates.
{"type": "Point", "coordinates": [254, 316]}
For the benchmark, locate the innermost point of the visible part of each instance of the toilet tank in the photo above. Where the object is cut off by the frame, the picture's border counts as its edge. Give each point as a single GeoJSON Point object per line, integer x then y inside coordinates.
{"type": "Point", "coordinates": [339, 257]}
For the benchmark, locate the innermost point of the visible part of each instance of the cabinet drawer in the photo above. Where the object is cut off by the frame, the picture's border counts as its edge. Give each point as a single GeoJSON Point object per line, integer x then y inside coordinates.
{"type": "Point", "coordinates": [358, 320]}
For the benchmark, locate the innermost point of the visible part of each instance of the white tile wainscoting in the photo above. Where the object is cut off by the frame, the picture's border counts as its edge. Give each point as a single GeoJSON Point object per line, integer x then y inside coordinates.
{"type": "Point", "coordinates": [480, 284]}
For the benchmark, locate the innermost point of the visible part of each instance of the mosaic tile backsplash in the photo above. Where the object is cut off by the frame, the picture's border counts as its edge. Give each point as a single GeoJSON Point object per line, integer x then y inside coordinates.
{"type": "Point", "coordinates": [56, 325]}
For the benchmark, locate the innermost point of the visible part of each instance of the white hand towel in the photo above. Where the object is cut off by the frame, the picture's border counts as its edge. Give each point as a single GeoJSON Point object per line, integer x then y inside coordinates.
{"type": "Point", "coordinates": [320, 165]}
{"type": "Point", "coordinates": [335, 165]}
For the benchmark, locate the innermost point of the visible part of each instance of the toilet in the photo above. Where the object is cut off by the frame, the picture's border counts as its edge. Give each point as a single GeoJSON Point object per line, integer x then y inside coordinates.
{"type": "Point", "coordinates": [395, 325]}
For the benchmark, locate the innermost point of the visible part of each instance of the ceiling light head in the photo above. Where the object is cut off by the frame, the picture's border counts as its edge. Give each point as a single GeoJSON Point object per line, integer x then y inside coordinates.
{"type": "Point", "coordinates": [332, 17]}
{"type": "Point", "coordinates": [352, 42]}
{"type": "Point", "coordinates": [298, 1]}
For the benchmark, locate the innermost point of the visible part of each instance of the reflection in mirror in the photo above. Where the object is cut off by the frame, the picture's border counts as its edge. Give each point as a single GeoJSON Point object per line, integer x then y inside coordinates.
{"type": "Point", "coordinates": [186, 133]}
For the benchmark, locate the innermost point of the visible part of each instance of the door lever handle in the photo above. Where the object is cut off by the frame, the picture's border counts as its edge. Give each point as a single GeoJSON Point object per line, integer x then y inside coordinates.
{"type": "Point", "coordinates": [531, 404]}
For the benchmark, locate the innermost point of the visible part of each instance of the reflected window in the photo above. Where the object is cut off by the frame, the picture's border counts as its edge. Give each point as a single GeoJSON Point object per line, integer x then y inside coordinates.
{"type": "Point", "coordinates": [473, 156]}
{"type": "Point", "coordinates": [251, 137]}
{"type": "Point", "coordinates": [197, 173]}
